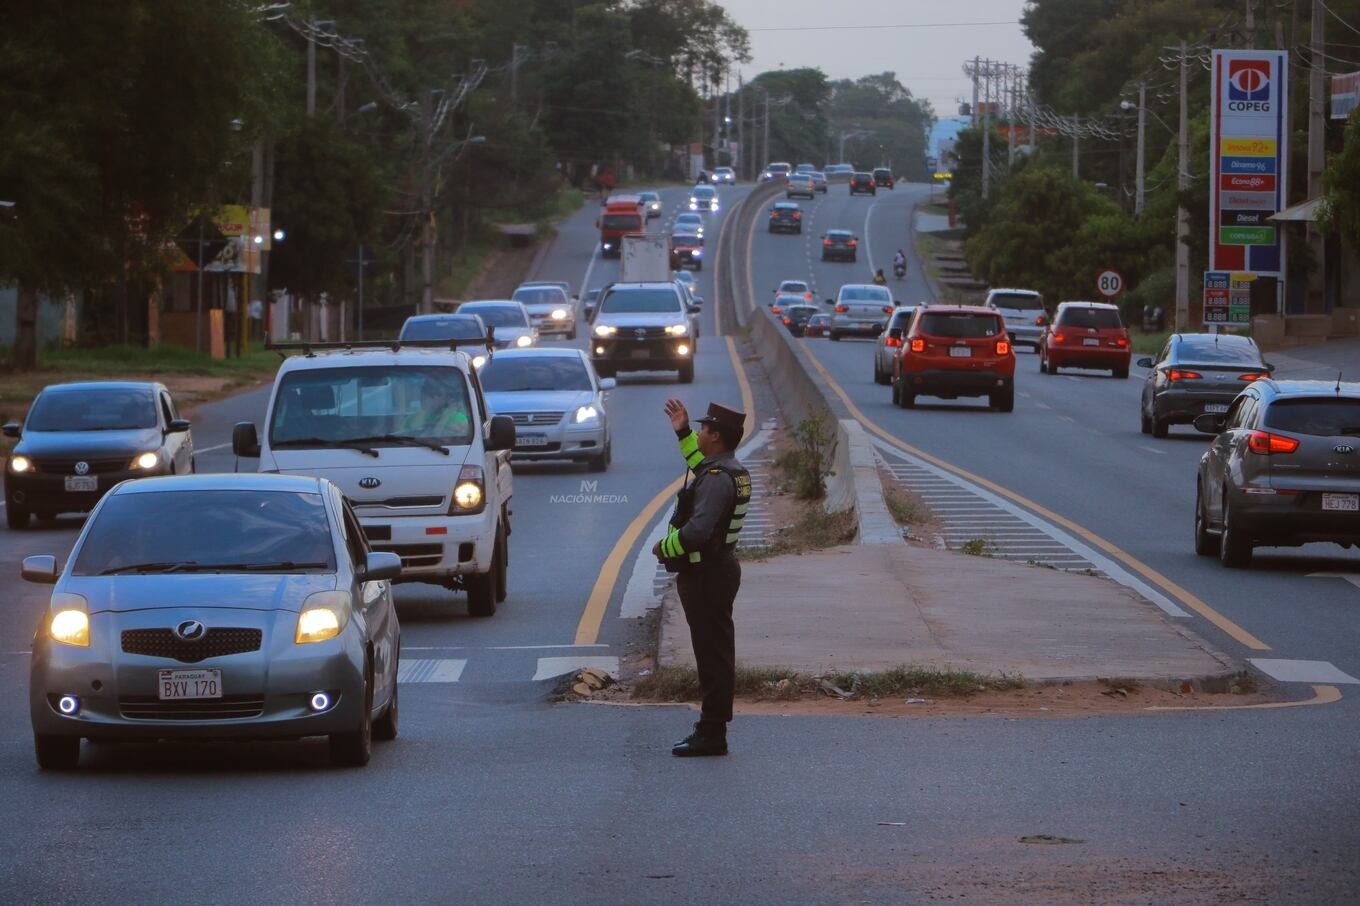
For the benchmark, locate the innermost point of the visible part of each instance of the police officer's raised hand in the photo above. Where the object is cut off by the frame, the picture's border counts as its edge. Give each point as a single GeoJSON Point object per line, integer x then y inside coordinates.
{"type": "Point", "coordinates": [678, 414]}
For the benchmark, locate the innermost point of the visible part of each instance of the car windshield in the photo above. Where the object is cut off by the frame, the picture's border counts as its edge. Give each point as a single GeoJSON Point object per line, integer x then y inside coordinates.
{"type": "Point", "coordinates": [1094, 318]}
{"type": "Point", "coordinates": [838, 236]}
{"type": "Point", "coordinates": [1203, 350]}
{"type": "Point", "coordinates": [498, 315]}
{"type": "Point", "coordinates": [507, 374]}
{"type": "Point", "coordinates": [649, 196]}
{"type": "Point", "coordinates": [375, 406]}
{"type": "Point", "coordinates": [883, 173]}
{"type": "Point", "coordinates": [1327, 417]}
{"type": "Point", "coordinates": [960, 325]}
{"type": "Point", "coordinates": [93, 409]}
{"type": "Point", "coordinates": [865, 294]}
{"type": "Point", "coordinates": [650, 301]}
{"type": "Point", "coordinates": [703, 192]}
{"type": "Point", "coordinates": [622, 222]}
{"type": "Point", "coordinates": [793, 286]}
{"type": "Point", "coordinates": [206, 531]}
{"type": "Point", "coordinates": [454, 328]}
{"type": "Point", "coordinates": [687, 239]}
{"type": "Point", "coordinates": [540, 295]}
{"type": "Point", "coordinates": [1021, 301]}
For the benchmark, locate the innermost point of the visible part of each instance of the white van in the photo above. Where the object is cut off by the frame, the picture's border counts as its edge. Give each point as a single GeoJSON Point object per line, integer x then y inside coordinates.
{"type": "Point", "coordinates": [406, 435]}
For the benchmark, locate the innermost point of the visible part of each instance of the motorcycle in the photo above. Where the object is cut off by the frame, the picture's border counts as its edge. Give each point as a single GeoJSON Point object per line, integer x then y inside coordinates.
{"type": "Point", "coordinates": [899, 271]}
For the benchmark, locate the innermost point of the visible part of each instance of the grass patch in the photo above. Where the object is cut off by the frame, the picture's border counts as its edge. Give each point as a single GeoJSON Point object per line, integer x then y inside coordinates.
{"type": "Point", "coordinates": [463, 267]}
{"type": "Point", "coordinates": [1147, 343]}
{"type": "Point", "coordinates": [681, 684]}
{"type": "Point", "coordinates": [815, 529]}
{"type": "Point", "coordinates": [565, 203]}
{"type": "Point", "coordinates": [906, 508]}
{"type": "Point", "coordinates": [977, 547]}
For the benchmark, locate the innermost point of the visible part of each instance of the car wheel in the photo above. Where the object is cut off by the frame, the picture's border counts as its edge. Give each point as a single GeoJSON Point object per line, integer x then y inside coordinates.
{"type": "Point", "coordinates": [1158, 426]}
{"type": "Point", "coordinates": [354, 749]}
{"type": "Point", "coordinates": [1004, 400]}
{"type": "Point", "coordinates": [385, 728]}
{"type": "Point", "coordinates": [906, 399]}
{"type": "Point", "coordinates": [481, 588]}
{"type": "Point", "coordinates": [835, 336]}
{"type": "Point", "coordinates": [896, 391]}
{"type": "Point", "coordinates": [1043, 362]}
{"type": "Point", "coordinates": [1204, 542]}
{"type": "Point", "coordinates": [15, 517]}
{"type": "Point", "coordinates": [598, 463]}
{"type": "Point", "coordinates": [1234, 546]}
{"type": "Point", "coordinates": [502, 562]}
{"type": "Point", "coordinates": [56, 753]}
{"type": "Point", "coordinates": [1144, 423]}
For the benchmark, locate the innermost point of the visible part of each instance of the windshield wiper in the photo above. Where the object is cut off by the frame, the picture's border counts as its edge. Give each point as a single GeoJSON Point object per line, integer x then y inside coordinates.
{"type": "Point", "coordinates": [283, 565]}
{"type": "Point", "coordinates": [350, 443]}
{"type": "Point", "coordinates": [171, 566]}
{"type": "Point", "coordinates": [402, 440]}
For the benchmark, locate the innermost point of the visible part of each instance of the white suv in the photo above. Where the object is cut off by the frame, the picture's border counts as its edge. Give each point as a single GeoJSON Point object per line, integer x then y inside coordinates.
{"type": "Point", "coordinates": [1024, 313]}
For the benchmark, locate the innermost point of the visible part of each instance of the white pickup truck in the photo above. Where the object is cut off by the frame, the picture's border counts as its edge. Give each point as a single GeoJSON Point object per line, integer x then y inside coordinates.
{"type": "Point", "coordinates": [405, 433]}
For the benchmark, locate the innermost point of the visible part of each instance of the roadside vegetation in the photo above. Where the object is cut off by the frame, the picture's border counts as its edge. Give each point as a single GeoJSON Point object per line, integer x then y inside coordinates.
{"type": "Point", "coordinates": [806, 459]}
{"type": "Point", "coordinates": [815, 529]}
{"type": "Point", "coordinates": [681, 684]}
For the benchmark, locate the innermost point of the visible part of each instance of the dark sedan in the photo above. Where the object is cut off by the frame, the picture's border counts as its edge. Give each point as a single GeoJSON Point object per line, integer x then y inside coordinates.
{"type": "Point", "coordinates": [786, 217]}
{"type": "Point", "coordinates": [1195, 374]}
{"type": "Point", "coordinates": [883, 178]}
{"type": "Point", "coordinates": [863, 184]}
{"type": "Point", "coordinates": [795, 317]}
{"type": "Point", "coordinates": [839, 245]}
{"type": "Point", "coordinates": [79, 440]}
{"type": "Point", "coordinates": [817, 326]}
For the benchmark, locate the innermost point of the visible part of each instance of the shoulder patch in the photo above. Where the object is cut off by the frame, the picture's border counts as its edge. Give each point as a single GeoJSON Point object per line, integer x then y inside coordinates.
{"type": "Point", "coordinates": [715, 471]}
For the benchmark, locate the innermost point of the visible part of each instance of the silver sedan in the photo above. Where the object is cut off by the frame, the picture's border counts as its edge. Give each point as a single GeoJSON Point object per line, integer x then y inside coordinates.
{"type": "Point", "coordinates": [217, 607]}
{"type": "Point", "coordinates": [557, 402]}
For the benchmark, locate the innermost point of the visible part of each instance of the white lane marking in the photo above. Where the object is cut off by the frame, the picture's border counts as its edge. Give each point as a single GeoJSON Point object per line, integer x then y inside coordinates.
{"type": "Point", "coordinates": [585, 281]}
{"type": "Point", "coordinates": [494, 647]}
{"type": "Point", "coordinates": [1287, 671]}
{"type": "Point", "coordinates": [548, 667]}
{"type": "Point", "coordinates": [1152, 449]}
{"type": "Point", "coordinates": [431, 670]}
{"type": "Point", "coordinates": [639, 596]}
{"type": "Point", "coordinates": [1068, 418]}
{"type": "Point", "coordinates": [198, 450]}
{"type": "Point", "coordinates": [1096, 559]}
{"type": "Point", "coordinates": [868, 247]}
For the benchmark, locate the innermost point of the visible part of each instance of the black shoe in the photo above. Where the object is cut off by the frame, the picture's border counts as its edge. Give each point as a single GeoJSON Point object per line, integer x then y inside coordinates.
{"type": "Point", "coordinates": [702, 742]}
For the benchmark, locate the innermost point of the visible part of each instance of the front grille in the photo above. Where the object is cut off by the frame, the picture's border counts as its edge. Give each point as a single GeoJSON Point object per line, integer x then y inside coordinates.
{"type": "Point", "coordinates": [536, 419]}
{"type": "Point", "coordinates": [218, 641]}
{"type": "Point", "coordinates": [66, 465]}
{"type": "Point", "coordinates": [648, 333]}
{"type": "Point", "coordinates": [397, 502]}
{"type": "Point", "coordinates": [378, 532]}
{"type": "Point", "coordinates": [414, 554]}
{"type": "Point", "coordinates": [537, 448]}
{"type": "Point", "coordinates": [228, 707]}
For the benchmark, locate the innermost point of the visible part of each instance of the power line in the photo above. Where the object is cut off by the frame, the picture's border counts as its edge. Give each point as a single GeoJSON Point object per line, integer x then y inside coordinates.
{"type": "Point", "coordinates": [876, 27]}
{"type": "Point", "coordinates": [1339, 19]}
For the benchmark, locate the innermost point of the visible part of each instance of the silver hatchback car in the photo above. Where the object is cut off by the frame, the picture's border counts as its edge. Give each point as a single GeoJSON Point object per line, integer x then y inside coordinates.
{"type": "Point", "coordinates": [217, 607]}
{"type": "Point", "coordinates": [1024, 313]}
{"type": "Point", "coordinates": [889, 345]}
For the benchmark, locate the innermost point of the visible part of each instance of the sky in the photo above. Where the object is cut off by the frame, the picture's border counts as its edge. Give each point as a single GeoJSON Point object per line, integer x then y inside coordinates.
{"type": "Point", "coordinates": [927, 60]}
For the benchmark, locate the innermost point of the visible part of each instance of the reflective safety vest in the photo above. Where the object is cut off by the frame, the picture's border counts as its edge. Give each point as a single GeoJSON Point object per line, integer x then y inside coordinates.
{"type": "Point", "coordinates": [723, 540]}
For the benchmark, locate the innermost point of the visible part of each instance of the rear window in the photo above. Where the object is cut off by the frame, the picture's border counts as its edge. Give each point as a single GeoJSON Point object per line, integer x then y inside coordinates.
{"type": "Point", "coordinates": [1021, 301]}
{"type": "Point", "coordinates": [960, 326]}
{"type": "Point", "coordinates": [499, 315]}
{"type": "Point", "coordinates": [874, 294]}
{"type": "Point", "coordinates": [1320, 417]}
{"type": "Point", "coordinates": [539, 295]}
{"type": "Point", "coordinates": [652, 301]}
{"type": "Point", "coordinates": [883, 173]}
{"type": "Point", "coordinates": [622, 222]}
{"type": "Point", "coordinates": [441, 329]}
{"type": "Point", "coordinates": [1203, 350]}
{"type": "Point", "coordinates": [1097, 318]}
{"type": "Point", "coordinates": [902, 317]}
{"type": "Point", "coordinates": [511, 374]}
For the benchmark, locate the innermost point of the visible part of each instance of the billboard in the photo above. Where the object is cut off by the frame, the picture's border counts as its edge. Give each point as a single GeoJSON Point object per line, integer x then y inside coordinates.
{"type": "Point", "coordinates": [1345, 94]}
{"type": "Point", "coordinates": [1248, 154]}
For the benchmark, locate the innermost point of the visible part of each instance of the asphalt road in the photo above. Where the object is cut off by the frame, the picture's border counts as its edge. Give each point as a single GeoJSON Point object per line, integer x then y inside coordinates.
{"type": "Point", "coordinates": [492, 795]}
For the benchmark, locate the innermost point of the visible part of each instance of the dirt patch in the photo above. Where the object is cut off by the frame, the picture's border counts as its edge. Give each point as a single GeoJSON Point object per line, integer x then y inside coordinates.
{"type": "Point", "coordinates": [502, 271]}
{"type": "Point", "coordinates": [909, 511]}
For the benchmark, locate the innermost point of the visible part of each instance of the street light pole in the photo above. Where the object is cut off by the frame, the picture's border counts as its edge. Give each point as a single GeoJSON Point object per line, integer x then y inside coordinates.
{"type": "Point", "coordinates": [1139, 177]}
{"type": "Point", "coordinates": [1182, 214]}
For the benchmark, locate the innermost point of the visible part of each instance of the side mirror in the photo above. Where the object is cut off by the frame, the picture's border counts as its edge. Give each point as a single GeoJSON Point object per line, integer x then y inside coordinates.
{"type": "Point", "coordinates": [693, 309]}
{"type": "Point", "coordinates": [1210, 422]}
{"type": "Point", "coordinates": [897, 303]}
{"type": "Point", "coordinates": [10, 429]}
{"type": "Point", "coordinates": [178, 426]}
{"type": "Point", "coordinates": [245, 441]}
{"type": "Point", "coordinates": [895, 333]}
{"type": "Point", "coordinates": [608, 383]}
{"type": "Point", "coordinates": [1144, 362]}
{"type": "Point", "coordinates": [1270, 369]}
{"type": "Point", "coordinates": [41, 568]}
{"type": "Point", "coordinates": [502, 433]}
{"type": "Point", "coordinates": [588, 311]}
{"type": "Point", "coordinates": [380, 565]}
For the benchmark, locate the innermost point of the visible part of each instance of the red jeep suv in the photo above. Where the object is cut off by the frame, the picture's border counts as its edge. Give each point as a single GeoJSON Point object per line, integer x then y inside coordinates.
{"type": "Point", "coordinates": [953, 351]}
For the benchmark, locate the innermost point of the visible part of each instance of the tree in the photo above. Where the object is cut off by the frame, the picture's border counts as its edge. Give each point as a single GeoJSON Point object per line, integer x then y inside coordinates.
{"type": "Point", "coordinates": [1341, 183]}
{"type": "Point", "coordinates": [898, 125]}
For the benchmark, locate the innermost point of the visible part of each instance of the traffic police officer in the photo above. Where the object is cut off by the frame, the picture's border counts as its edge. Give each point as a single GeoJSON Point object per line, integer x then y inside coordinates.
{"type": "Point", "coordinates": [700, 546]}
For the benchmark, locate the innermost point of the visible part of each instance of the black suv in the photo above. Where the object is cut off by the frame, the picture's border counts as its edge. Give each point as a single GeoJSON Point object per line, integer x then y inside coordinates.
{"type": "Point", "coordinates": [786, 217]}
{"type": "Point", "coordinates": [883, 177]}
{"type": "Point", "coordinates": [862, 183]}
{"type": "Point", "coordinates": [1284, 470]}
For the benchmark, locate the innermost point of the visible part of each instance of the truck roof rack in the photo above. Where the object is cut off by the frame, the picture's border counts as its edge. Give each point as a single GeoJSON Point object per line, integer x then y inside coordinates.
{"type": "Point", "coordinates": [310, 349]}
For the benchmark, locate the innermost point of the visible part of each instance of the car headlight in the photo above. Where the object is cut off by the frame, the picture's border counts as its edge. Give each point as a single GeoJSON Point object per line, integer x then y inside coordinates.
{"type": "Point", "coordinates": [70, 624]}
{"type": "Point", "coordinates": [20, 464]}
{"type": "Point", "coordinates": [559, 314]}
{"type": "Point", "coordinates": [324, 614]}
{"type": "Point", "coordinates": [677, 330]}
{"type": "Point", "coordinates": [468, 495]}
{"type": "Point", "coordinates": [524, 340]}
{"type": "Point", "coordinates": [148, 460]}
{"type": "Point", "coordinates": [696, 253]}
{"type": "Point", "coordinates": [586, 414]}
{"type": "Point", "coordinates": [478, 361]}
{"type": "Point", "coordinates": [606, 330]}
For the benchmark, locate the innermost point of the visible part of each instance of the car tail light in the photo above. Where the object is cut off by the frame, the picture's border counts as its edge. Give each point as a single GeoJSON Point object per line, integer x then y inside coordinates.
{"type": "Point", "coordinates": [1058, 337]}
{"type": "Point", "coordinates": [826, 242]}
{"type": "Point", "coordinates": [807, 296]}
{"type": "Point", "coordinates": [918, 345]}
{"type": "Point", "coordinates": [887, 310]}
{"type": "Point", "coordinates": [1003, 347]}
{"type": "Point", "coordinates": [1039, 321]}
{"type": "Point", "coordinates": [893, 342]}
{"type": "Point", "coordinates": [853, 242]}
{"type": "Point", "coordinates": [797, 215]}
{"type": "Point", "coordinates": [788, 320]}
{"type": "Point", "coordinates": [775, 309]}
{"type": "Point", "coordinates": [1177, 374]}
{"type": "Point", "coordinates": [842, 309]}
{"type": "Point", "coordinates": [1267, 443]}
{"type": "Point", "coordinates": [1254, 376]}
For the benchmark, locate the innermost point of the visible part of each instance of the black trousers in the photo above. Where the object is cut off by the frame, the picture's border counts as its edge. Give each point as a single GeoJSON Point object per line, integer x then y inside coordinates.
{"type": "Point", "coordinates": [706, 594]}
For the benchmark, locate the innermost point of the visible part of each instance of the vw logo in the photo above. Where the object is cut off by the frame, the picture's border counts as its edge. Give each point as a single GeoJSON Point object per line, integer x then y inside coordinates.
{"type": "Point", "coordinates": [1344, 448]}
{"type": "Point", "coordinates": [191, 630]}
{"type": "Point", "coordinates": [369, 483]}
{"type": "Point", "coordinates": [82, 468]}
{"type": "Point", "coordinates": [640, 333]}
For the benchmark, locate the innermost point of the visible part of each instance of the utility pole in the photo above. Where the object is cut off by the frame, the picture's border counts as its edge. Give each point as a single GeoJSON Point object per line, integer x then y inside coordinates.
{"type": "Point", "coordinates": [1139, 177]}
{"type": "Point", "coordinates": [1033, 116]}
{"type": "Point", "coordinates": [1076, 146]}
{"type": "Point", "coordinates": [514, 74]}
{"type": "Point", "coordinates": [311, 73]}
{"type": "Point", "coordinates": [1183, 215]}
{"type": "Point", "coordinates": [767, 126]}
{"type": "Point", "coordinates": [256, 202]}
{"type": "Point", "coordinates": [1317, 281]}
{"type": "Point", "coordinates": [1010, 119]}
{"type": "Point", "coordinates": [1250, 24]}
{"type": "Point", "coordinates": [987, 132]}
{"type": "Point", "coordinates": [742, 151]}
{"type": "Point", "coordinates": [974, 109]}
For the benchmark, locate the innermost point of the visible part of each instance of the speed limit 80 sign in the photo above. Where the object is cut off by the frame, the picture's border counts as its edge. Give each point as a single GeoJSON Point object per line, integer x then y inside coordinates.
{"type": "Point", "coordinates": [1110, 283]}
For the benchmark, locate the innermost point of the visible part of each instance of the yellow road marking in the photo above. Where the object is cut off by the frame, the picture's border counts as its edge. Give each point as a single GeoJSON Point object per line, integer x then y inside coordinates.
{"type": "Point", "coordinates": [588, 628]}
{"type": "Point", "coordinates": [1184, 595]}
{"type": "Point", "coordinates": [1322, 695]}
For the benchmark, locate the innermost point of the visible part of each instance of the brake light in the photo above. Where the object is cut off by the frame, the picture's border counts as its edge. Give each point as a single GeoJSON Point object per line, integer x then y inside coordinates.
{"type": "Point", "coordinates": [788, 320]}
{"type": "Point", "coordinates": [1267, 443]}
{"type": "Point", "coordinates": [1254, 376]}
{"type": "Point", "coordinates": [797, 215]}
{"type": "Point", "coordinates": [1039, 321]}
{"type": "Point", "coordinates": [1058, 338]}
{"type": "Point", "coordinates": [842, 309]}
{"type": "Point", "coordinates": [918, 345]}
{"type": "Point", "coordinates": [1176, 374]}
{"type": "Point", "coordinates": [826, 242]}
{"type": "Point", "coordinates": [807, 296]}
{"type": "Point", "coordinates": [1121, 342]}
{"type": "Point", "coordinates": [775, 309]}
{"type": "Point", "coordinates": [853, 242]}
{"type": "Point", "coordinates": [887, 310]}
{"type": "Point", "coordinates": [892, 342]}
{"type": "Point", "coordinates": [1003, 347]}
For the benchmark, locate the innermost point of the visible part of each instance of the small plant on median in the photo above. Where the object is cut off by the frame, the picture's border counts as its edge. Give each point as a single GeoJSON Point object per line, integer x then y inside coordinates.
{"type": "Point", "coordinates": [681, 684]}
{"type": "Point", "coordinates": [906, 508]}
{"type": "Point", "coordinates": [807, 462]}
{"type": "Point", "coordinates": [977, 547]}
{"type": "Point", "coordinates": [815, 529]}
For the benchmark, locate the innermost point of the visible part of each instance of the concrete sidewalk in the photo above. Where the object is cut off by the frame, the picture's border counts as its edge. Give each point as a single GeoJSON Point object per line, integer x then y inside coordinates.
{"type": "Point", "coordinates": [878, 606]}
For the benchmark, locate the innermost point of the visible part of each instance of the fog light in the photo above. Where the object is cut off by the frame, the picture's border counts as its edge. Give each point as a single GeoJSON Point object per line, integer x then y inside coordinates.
{"type": "Point", "coordinates": [68, 705]}
{"type": "Point", "coordinates": [682, 349]}
{"type": "Point", "coordinates": [320, 701]}
{"type": "Point", "coordinates": [599, 350]}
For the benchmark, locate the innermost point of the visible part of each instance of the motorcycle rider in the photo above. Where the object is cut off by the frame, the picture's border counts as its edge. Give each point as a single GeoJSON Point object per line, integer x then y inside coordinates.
{"type": "Point", "coordinates": [879, 279]}
{"type": "Point", "coordinates": [899, 264]}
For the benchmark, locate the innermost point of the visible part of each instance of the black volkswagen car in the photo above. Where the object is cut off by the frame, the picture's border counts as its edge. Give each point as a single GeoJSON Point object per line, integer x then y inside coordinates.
{"type": "Point", "coordinates": [839, 245]}
{"type": "Point", "coordinates": [1197, 374]}
{"type": "Point", "coordinates": [79, 440]}
{"type": "Point", "coordinates": [786, 217]}
{"type": "Point", "coordinates": [863, 183]}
